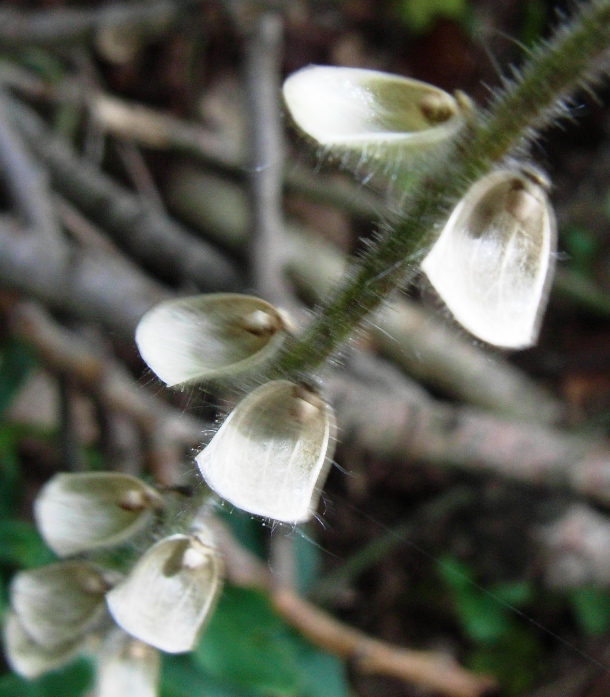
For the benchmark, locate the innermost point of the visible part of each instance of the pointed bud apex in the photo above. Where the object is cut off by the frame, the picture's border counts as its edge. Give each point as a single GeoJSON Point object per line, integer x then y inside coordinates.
{"type": "Point", "coordinates": [79, 512]}
{"type": "Point", "coordinates": [493, 262]}
{"type": "Point", "coordinates": [26, 657]}
{"type": "Point", "coordinates": [370, 112]}
{"type": "Point", "coordinates": [208, 337]}
{"type": "Point", "coordinates": [271, 455]}
{"type": "Point", "coordinates": [168, 595]}
{"type": "Point", "coordinates": [127, 666]}
{"type": "Point", "coordinates": [58, 603]}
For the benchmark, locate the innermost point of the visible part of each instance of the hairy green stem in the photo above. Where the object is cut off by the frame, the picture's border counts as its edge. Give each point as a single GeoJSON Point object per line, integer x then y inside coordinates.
{"type": "Point", "coordinates": [533, 99]}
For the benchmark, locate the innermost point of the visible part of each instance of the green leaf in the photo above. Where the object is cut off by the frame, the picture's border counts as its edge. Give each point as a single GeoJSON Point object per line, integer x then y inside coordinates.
{"type": "Point", "coordinates": [247, 645]}
{"type": "Point", "coordinates": [9, 471]}
{"type": "Point", "coordinates": [322, 675]}
{"type": "Point", "coordinates": [72, 681]}
{"type": "Point", "coordinates": [419, 15]}
{"type": "Point", "coordinates": [515, 660]}
{"type": "Point", "coordinates": [21, 545]}
{"type": "Point", "coordinates": [181, 678]}
{"type": "Point", "coordinates": [591, 607]}
{"type": "Point", "coordinates": [484, 615]}
{"type": "Point", "coordinates": [17, 360]}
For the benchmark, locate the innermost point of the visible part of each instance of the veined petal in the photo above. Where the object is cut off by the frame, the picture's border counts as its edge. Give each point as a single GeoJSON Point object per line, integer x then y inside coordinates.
{"type": "Point", "coordinates": [77, 512]}
{"type": "Point", "coordinates": [208, 337]}
{"type": "Point", "coordinates": [271, 455]}
{"type": "Point", "coordinates": [26, 657]}
{"type": "Point", "coordinates": [168, 595]}
{"type": "Point", "coordinates": [351, 108]}
{"type": "Point", "coordinates": [57, 604]}
{"type": "Point", "coordinates": [127, 667]}
{"type": "Point", "coordinates": [493, 262]}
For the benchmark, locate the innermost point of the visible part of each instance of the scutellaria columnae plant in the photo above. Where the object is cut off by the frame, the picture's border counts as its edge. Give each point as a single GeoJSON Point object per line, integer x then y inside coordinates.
{"type": "Point", "coordinates": [468, 207]}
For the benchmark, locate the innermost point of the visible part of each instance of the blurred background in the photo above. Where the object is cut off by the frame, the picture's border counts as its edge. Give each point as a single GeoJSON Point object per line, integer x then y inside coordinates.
{"type": "Point", "coordinates": [145, 153]}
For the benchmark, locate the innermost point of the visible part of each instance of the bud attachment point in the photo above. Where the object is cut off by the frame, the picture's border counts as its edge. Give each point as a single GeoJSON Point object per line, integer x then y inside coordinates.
{"type": "Point", "coordinates": [272, 453]}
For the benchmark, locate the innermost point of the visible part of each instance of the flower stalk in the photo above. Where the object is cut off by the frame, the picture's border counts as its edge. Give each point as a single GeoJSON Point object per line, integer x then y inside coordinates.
{"type": "Point", "coordinates": [534, 98]}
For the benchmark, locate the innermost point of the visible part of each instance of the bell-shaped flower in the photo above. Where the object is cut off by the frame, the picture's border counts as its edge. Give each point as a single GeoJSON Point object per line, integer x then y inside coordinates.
{"type": "Point", "coordinates": [168, 595]}
{"type": "Point", "coordinates": [80, 512]}
{"type": "Point", "coordinates": [208, 337]}
{"type": "Point", "coordinates": [389, 118]}
{"type": "Point", "coordinates": [126, 667]}
{"type": "Point", "coordinates": [28, 658]}
{"type": "Point", "coordinates": [493, 262]}
{"type": "Point", "coordinates": [271, 455]}
{"type": "Point", "coordinates": [57, 604]}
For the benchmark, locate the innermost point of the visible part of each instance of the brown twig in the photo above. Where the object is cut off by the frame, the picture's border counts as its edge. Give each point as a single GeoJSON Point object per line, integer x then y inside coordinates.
{"type": "Point", "coordinates": [404, 430]}
{"type": "Point", "coordinates": [154, 239]}
{"type": "Point", "coordinates": [576, 548]}
{"type": "Point", "coordinates": [263, 55]}
{"type": "Point", "coordinates": [95, 285]}
{"type": "Point", "coordinates": [67, 354]}
{"type": "Point", "coordinates": [427, 669]}
{"type": "Point", "coordinates": [62, 25]}
{"type": "Point", "coordinates": [29, 188]}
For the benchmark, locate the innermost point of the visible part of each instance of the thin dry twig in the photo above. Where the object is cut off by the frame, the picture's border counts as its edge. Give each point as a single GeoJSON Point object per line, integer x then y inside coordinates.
{"type": "Point", "coordinates": [95, 285]}
{"type": "Point", "coordinates": [407, 429]}
{"type": "Point", "coordinates": [69, 25]}
{"type": "Point", "coordinates": [262, 71]}
{"type": "Point", "coordinates": [153, 238]}
{"type": "Point", "coordinates": [168, 431]}
{"type": "Point", "coordinates": [427, 669]}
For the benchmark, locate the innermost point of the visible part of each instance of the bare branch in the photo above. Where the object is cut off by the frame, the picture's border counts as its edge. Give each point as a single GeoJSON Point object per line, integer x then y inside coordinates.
{"type": "Point", "coordinates": [151, 237]}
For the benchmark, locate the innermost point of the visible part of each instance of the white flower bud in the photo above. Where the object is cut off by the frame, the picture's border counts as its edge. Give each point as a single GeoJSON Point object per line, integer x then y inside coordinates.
{"type": "Point", "coordinates": [371, 112]}
{"type": "Point", "coordinates": [79, 512]}
{"type": "Point", "coordinates": [26, 657]}
{"type": "Point", "coordinates": [271, 455]}
{"type": "Point", "coordinates": [168, 595]}
{"type": "Point", "coordinates": [493, 262]}
{"type": "Point", "coordinates": [127, 667]}
{"type": "Point", "coordinates": [208, 337]}
{"type": "Point", "coordinates": [58, 603]}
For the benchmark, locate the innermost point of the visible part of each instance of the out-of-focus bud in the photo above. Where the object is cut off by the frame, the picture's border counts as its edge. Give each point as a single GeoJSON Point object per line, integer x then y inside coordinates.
{"type": "Point", "coordinates": [272, 453]}
{"type": "Point", "coordinates": [80, 512]}
{"type": "Point", "coordinates": [26, 657]}
{"type": "Point", "coordinates": [168, 595]}
{"type": "Point", "coordinates": [370, 112]}
{"type": "Point", "coordinates": [127, 667]}
{"type": "Point", "coordinates": [208, 337]}
{"type": "Point", "coordinates": [58, 603]}
{"type": "Point", "coordinates": [493, 262]}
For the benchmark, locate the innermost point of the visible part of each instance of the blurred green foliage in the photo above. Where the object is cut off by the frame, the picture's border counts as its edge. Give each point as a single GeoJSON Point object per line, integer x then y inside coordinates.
{"type": "Point", "coordinates": [419, 15]}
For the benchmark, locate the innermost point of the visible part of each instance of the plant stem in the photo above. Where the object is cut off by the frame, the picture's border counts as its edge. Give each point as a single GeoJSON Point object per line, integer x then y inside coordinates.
{"type": "Point", "coordinates": [530, 101]}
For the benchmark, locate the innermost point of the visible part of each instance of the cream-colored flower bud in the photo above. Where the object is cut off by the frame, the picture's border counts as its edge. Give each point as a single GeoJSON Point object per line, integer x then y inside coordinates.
{"type": "Point", "coordinates": [26, 657]}
{"type": "Point", "coordinates": [208, 337]}
{"type": "Point", "coordinates": [168, 595]}
{"type": "Point", "coordinates": [493, 262]}
{"type": "Point", "coordinates": [271, 455]}
{"type": "Point", "coordinates": [371, 112]}
{"type": "Point", "coordinates": [58, 603]}
{"type": "Point", "coordinates": [126, 667]}
{"type": "Point", "coordinates": [79, 512]}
